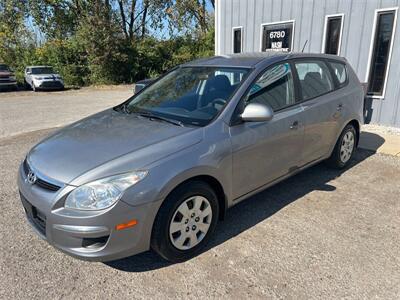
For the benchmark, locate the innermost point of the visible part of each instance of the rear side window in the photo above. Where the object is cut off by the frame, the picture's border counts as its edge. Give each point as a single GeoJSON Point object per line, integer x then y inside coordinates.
{"type": "Point", "coordinates": [339, 70]}
{"type": "Point", "coordinates": [315, 78]}
{"type": "Point", "coordinates": [274, 88]}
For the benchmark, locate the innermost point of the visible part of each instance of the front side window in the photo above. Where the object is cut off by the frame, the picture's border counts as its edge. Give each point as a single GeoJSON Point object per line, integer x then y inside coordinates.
{"type": "Point", "coordinates": [381, 52]}
{"type": "Point", "coordinates": [315, 78]}
{"type": "Point", "coordinates": [333, 34]}
{"type": "Point", "coordinates": [237, 40]}
{"type": "Point", "coordinates": [277, 37]}
{"type": "Point", "coordinates": [274, 88]}
{"type": "Point", "coordinates": [190, 95]}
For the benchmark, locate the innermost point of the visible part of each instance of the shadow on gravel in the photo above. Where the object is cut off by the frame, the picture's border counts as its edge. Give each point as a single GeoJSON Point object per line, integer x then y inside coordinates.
{"type": "Point", "coordinates": [250, 212]}
{"type": "Point", "coordinates": [23, 89]}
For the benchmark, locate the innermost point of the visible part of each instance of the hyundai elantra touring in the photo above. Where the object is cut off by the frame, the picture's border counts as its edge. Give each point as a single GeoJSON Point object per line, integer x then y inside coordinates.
{"type": "Point", "coordinates": [161, 169]}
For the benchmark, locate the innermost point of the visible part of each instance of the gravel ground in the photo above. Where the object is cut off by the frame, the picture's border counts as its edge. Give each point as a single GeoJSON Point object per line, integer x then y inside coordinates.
{"type": "Point", "coordinates": [379, 129]}
{"type": "Point", "coordinates": [322, 234]}
{"type": "Point", "coordinates": [25, 111]}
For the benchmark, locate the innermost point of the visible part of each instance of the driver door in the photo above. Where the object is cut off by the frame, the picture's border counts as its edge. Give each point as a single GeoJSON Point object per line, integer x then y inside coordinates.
{"type": "Point", "coordinates": [266, 151]}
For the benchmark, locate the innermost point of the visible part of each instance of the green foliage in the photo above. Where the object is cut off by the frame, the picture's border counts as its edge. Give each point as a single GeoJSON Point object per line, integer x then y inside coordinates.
{"type": "Point", "coordinates": [86, 43]}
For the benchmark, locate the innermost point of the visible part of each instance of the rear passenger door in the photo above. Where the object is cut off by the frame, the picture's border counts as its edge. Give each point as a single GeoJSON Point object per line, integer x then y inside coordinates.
{"type": "Point", "coordinates": [322, 107]}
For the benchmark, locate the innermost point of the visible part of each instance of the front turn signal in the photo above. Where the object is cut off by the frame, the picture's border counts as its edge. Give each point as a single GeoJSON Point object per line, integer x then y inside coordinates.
{"type": "Point", "coordinates": [129, 224]}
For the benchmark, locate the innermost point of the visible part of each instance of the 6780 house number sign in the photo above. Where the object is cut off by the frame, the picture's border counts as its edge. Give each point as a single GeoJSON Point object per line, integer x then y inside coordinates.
{"type": "Point", "coordinates": [277, 37]}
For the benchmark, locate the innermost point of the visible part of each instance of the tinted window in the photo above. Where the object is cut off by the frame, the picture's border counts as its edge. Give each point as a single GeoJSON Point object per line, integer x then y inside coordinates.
{"type": "Point", "coordinates": [339, 70]}
{"type": "Point", "coordinates": [4, 68]}
{"type": "Point", "coordinates": [42, 70]}
{"type": "Point", "coordinates": [332, 38]}
{"type": "Point", "coordinates": [380, 56]}
{"type": "Point", "coordinates": [274, 88]}
{"type": "Point", "coordinates": [237, 40]}
{"type": "Point", "coordinates": [191, 95]}
{"type": "Point", "coordinates": [315, 78]}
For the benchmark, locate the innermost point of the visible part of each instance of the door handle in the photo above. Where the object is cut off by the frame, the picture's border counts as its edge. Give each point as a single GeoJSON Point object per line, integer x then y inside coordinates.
{"type": "Point", "coordinates": [295, 125]}
{"type": "Point", "coordinates": [339, 107]}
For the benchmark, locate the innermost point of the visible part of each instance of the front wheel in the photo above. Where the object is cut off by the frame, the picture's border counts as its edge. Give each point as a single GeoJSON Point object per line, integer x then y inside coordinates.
{"type": "Point", "coordinates": [344, 148]}
{"type": "Point", "coordinates": [185, 222]}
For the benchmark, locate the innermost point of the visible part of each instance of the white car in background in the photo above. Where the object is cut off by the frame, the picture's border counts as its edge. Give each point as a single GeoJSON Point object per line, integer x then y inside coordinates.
{"type": "Point", "coordinates": [43, 78]}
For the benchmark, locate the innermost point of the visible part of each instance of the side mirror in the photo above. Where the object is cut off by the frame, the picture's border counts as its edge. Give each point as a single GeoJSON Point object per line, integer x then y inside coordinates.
{"type": "Point", "coordinates": [256, 112]}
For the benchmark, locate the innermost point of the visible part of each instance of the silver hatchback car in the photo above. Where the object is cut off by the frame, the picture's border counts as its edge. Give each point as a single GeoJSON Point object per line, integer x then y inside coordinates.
{"type": "Point", "coordinates": [158, 171]}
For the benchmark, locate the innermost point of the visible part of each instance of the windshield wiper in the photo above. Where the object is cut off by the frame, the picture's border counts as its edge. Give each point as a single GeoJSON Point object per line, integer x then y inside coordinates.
{"type": "Point", "coordinates": [153, 116]}
{"type": "Point", "coordinates": [122, 108]}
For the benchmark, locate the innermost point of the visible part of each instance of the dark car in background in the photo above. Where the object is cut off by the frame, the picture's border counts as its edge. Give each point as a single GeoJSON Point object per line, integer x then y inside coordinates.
{"type": "Point", "coordinates": [7, 77]}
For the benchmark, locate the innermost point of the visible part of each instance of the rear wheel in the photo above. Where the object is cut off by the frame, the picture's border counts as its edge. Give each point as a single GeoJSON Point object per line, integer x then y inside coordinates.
{"type": "Point", "coordinates": [185, 222]}
{"type": "Point", "coordinates": [344, 148]}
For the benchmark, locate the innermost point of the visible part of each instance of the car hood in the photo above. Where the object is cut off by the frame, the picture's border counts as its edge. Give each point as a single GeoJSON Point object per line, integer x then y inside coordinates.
{"type": "Point", "coordinates": [122, 142]}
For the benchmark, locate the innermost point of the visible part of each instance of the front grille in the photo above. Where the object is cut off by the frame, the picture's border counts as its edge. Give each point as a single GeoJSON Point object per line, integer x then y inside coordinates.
{"type": "Point", "coordinates": [39, 181]}
{"type": "Point", "coordinates": [51, 84]}
{"type": "Point", "coordinates": [37, 218]}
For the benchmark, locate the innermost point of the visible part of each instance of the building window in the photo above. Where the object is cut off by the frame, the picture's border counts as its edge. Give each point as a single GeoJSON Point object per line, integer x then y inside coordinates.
{"type": "Point", "coordinates": [380, 52]}
{"type": "Point", "coordinates": [237, 39]}
{"type": "Point", "coordinates": [277, 36]}
{"type": "Point", "coordinates": [332, 34]}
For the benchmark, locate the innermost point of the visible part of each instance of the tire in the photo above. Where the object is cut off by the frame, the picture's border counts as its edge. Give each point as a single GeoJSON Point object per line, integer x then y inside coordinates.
{"type": "Point", "coordinates": [344, 148]}
{"type": "Point", "coordinates": [178, 237]}
{"type": "Point", "coordinates": [26, 85]}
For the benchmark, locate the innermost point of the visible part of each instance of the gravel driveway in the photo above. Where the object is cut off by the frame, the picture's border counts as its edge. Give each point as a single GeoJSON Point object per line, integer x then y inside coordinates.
{"type": "Point", "coordinates": [321, 234]}
{"type": "Point", "coordinates": [26, 111]}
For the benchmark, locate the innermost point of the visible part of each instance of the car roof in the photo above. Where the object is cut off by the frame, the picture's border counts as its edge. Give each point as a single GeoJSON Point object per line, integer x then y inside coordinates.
{"type": "Point", "coordinates": [250, 60]}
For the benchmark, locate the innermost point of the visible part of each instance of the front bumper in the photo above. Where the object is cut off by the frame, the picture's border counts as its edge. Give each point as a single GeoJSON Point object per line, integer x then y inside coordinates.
{"type": "Point", "coordinates": [49, 84]}
{"type": "Point", "coordinates": [88, 235]}
{"type": "Point", "coordinates": [8, 83]}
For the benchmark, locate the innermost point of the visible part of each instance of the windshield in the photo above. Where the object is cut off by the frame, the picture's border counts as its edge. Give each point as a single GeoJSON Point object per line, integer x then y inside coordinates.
{"type": "Point", "coordinates": [42, 70]}
{"type": "Point", "coordinates": [4, 68]}
{"type": "Point", "coordinates": [190, 95]}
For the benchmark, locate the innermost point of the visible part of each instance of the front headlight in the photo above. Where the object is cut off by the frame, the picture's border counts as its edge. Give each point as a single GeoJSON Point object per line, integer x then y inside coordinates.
{"type": "Point", "coordinates": [102, 193]}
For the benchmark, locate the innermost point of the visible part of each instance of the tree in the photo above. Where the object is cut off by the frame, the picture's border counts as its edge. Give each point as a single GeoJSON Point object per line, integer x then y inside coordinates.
{"type": "Point", "coordinates": [189, 13]}
{"type": "Point", "coordinates": [104, 41]}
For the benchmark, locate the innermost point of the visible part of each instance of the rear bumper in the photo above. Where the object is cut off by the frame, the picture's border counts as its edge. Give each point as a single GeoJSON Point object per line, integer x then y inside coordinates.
{"type": "Point", "coordinates": [87, 235]}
